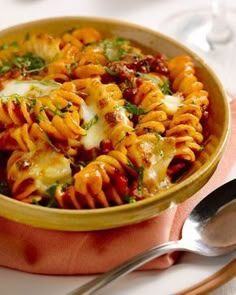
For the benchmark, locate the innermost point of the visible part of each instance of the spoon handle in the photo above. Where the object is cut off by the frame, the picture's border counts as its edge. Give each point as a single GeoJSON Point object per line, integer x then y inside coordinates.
{"type": "Point", "coordinates": [128, 266]}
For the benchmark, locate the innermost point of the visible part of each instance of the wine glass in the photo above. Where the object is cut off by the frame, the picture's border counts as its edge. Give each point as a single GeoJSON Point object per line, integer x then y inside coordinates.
{"type": "Point", "coordinates": [211, 32]}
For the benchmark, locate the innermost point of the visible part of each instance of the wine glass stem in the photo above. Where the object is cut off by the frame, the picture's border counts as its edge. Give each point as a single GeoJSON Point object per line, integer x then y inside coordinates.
{"type": "Point", "coordinates": [220, 31]}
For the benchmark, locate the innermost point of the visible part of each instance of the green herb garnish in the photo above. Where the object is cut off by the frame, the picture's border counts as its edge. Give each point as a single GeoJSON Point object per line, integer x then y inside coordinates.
{"type": "Point", "coordinates": [120, 140]}
{"type": "Point", "coordinates": [56, 112]}
{"type": "Point", "coordinates": [35, 201]}
{"type": "Point", "coordinates": [180, 105]}
{"type": "Point", "coordinates": [81, 164]}
{"type": "Point", "coordinates": [31, 63]}
{"type": "Point", "coordinates": [152, 78]}
{"type": "Point", "coordinates": [130, 164]}
{"type": "Point", "coordinates": [133, 109]}
{"type": "Point", "coordinates": [69, 67]}
{"type": "Point", "coordinates": [51, 190]}
{"type": "Point", "coordinates": [16, 99]}
{"type": "Point", "coordinates": [140, 171]}
{"type": "Point", "coordinates": [129, 199]}
{"type": "Point", "coordinates": [89, 124]}
{"type": "Point", "coordinates": [158, 136]}
{"type": "Point", "coordinates": [38, 118]}
{"type": "Point", "coordinates": [31, 105]}
{"type": "Point", "coordinates": [6, 67]}
{"type": "Point", "coordinates": [114, 49]}
{"type": "Point", "coordinates": [51, 194]}
{"type": "Point", "coordinates": [110, 72]}
{"type": "Point", "coordinates": [47, 83]}
{"type": "Point", "coordinates": [165, 87]}
{"type": "Point", "coordinates": [48, 140]}
{"type": "Point", "coordinates": [66, 108]}
{"type": "Point", "coordinates": [6, 46]}
{"type": "Point", "coordinates": [28, 63]}
{"type": "Point", "coordinates": [127, 83]}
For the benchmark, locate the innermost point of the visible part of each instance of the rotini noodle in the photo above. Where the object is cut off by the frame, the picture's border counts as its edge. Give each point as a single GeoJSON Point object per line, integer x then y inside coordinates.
{"type": "Point", "coordinates": [30, 177]}
{"type": "Point", "coordinates": [43, 45]}
{"type": "Point", "coordinates": [186, 122]}
{"type": "Point", "coordinates": [98, 184]}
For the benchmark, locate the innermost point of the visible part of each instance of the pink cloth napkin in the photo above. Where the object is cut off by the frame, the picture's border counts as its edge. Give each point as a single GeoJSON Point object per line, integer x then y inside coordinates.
{"type": "Point", "coordinates": [57, 252]}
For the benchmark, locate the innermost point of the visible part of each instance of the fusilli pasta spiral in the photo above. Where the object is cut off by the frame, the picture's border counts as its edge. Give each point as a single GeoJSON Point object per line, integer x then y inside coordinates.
{"type": "Point", "coordinates": [185, 124]}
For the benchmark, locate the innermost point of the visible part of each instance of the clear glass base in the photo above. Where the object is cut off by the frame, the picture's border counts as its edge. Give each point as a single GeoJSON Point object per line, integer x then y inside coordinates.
{"type": "Point", "coordinates": [192, 29]}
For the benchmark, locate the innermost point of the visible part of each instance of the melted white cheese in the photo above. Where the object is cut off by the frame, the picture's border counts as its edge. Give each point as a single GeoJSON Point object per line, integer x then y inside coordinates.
{"type": "Point", "coordinates": [159, 156]}
{"type": "Point", "coordinates": [151, 174]}
{"type": "Point", "coordinates": [172, 103]}
{"type": "Point", "coordinates": [124, 117]}
{"type": "Point", "coordinates": [31, 88]}
{"type": "Point", "coordinates": [97, 132]}
{"type": "Point", "coordinates": [48, 168]}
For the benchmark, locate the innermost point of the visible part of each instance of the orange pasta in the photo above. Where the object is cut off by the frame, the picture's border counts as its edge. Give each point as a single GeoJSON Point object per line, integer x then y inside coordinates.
{"type": "Point", "coordinates": [186, 125]}
{"type": "Point", "coordinates": [89, 122]}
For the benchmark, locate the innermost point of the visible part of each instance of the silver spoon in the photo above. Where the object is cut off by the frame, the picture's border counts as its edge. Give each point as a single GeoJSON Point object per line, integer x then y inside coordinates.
{"type": "Point", "coordinates": [209, 230]}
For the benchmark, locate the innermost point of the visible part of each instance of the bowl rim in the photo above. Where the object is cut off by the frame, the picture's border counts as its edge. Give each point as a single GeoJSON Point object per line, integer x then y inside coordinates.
{"type": "Point", "coordinates": [162, 196]}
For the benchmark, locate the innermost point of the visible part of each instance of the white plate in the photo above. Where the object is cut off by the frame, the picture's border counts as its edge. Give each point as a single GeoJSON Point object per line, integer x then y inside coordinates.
{"type": "Point", "coordinates": [190, 270]}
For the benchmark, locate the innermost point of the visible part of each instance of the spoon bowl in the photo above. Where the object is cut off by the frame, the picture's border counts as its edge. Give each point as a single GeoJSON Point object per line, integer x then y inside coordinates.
{"type": "Point", "coordinates": [210, 224]}
{"type": "Point", "coordinates": [207, 231]}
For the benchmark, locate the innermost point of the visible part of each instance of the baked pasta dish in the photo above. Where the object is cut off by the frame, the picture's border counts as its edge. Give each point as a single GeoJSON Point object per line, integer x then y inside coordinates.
{"type": "Point", "coordinates": [88, 121]}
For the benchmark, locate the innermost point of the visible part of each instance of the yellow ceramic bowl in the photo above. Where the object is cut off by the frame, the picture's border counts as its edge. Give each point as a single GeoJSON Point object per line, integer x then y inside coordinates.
{"type": "Point", "coordinates": [96, 219]}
